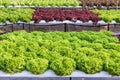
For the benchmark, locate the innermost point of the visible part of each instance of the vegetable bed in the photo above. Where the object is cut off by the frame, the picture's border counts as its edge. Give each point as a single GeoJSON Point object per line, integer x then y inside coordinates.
{"type": "Point", "coordinates": [37, 15]}
{"type": "Point", "coordinates": [60, 3]}
{"type": "Point", "coordinates": [36, 52]}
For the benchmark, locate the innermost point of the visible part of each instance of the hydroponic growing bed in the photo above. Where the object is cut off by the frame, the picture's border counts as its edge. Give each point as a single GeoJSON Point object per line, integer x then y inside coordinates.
{"type": "Point", "coordinates": [60, 3]}
{"type": "Point", "coordinates": [36, 52]}
{"type": "Point", "coordinates": [27, 15]}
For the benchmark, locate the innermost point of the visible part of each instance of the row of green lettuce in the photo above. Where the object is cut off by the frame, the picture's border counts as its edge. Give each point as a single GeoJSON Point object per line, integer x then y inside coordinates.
{"type": "Point", "coordinates": [109, 15]}
{"type": "Point", "coordinates": [14, 15]}
{"type": "Point", "coordinates": [87, 51]}
{"type": "Point", "coordinates": [38, 3]}
{"type": "Point", "coordinates": [25, 15]}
